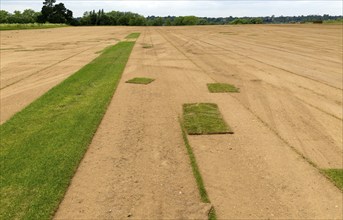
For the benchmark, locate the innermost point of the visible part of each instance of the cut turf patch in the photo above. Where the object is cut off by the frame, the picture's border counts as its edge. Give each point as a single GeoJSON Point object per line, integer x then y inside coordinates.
{"type": "Point", "coordinates": [146, 46]}
{"type": "Point", "coordinates": [42, 145]}
{"type": "Point", "coordinates": [221, 88]}
{"type": "Point", "coordinates": [336, 176]}
{"type": "Point", "coordinates": [132, 36]}
{"type": "Point", "coordinates": [204, 118]}
{"type": "Point", "coordinates": [140, 80]}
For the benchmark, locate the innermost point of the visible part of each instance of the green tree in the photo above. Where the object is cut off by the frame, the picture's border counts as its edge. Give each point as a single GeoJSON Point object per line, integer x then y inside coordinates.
{"type": "Point", "coordinates": [202, 22]}
{"type": "Point", "coordinates": [256, 21]}
{"type": "Point", "coordinates": [168, 22]}
{"type": "Point", "coordinates": [178, 21]}
{"type": "Point", "coordinates": [29, 16]}
{"type": "Point", "coordinates": [16, 17]}
{"type": "Point", "coordinates": [49, 3]}
{"type": "Point", "coordinates": [190, 20]}
{"type": "Point", "coordinates": [55, 13]}
{"type": "Point", "coordinates": [4, 15]}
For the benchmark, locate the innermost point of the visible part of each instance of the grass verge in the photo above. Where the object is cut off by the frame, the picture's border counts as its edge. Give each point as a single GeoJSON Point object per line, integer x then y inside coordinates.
{"type": "Point", "coordinates": [140, 80]}
{"type": "Point", "coordinates": [196, 172]}
{"type": "Point", "coordinates": [42, 145]}
{"type": "Point", "coordinates": [336, 176]}
{"type": "Point", "coordinates": [204, 118]}
{"type": "Point", "coordinates": [132, 36]}
{"type": "Point", "coordinates": [8, 27]}
{"type": "Point", "coordinates": [221, 87]}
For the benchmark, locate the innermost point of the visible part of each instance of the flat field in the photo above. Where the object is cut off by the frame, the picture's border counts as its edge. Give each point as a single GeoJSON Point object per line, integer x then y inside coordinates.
{"type": "Point", "coordinates": [286, 118]}
{"type": "Point", "coordinates": [33, 61]}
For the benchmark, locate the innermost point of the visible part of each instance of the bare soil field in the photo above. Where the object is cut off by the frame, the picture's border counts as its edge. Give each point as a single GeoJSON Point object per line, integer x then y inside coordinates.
{"type": "Point", "coordinates": [288, 112]}
{"type": "Point", "coordinates": [33, 61]}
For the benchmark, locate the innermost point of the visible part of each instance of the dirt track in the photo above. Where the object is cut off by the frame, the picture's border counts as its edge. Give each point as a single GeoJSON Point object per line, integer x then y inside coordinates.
{"type": "Point", "coordinates": [290, 78]}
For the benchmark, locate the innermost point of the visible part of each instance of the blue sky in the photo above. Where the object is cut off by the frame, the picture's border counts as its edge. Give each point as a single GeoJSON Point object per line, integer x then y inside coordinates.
{"type": "Point", "coordinates": [223, 8]}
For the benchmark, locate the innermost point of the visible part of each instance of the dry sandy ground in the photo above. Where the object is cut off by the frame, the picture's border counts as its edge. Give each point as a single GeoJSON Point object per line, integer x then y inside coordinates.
{"type": "Point", "coordinates": [290, 103]}
{"type": "Point", "coordinates": [33, 61]}
{"type": "Point", "coordinates": [290, 78]}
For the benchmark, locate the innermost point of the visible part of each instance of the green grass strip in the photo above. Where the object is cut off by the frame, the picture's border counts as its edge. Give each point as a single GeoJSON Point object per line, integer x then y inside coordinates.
{"type": "Point", "coordinates": [9, 27]}
{"type": "Point", "coordinates": [204, 118]}
{"type": "Point", "coordinates": [132, 36]}
{"type": "Point", "coordinates": [221, 88]}
{"type": "Point", "coordinates": [42, 145]}
{"type": "Point", "coordinates": [196, 172]}
{"type": "Point", "coordinates": [336, 176]}
{"type": "Point", "coordinates": [140, 80]}
{"type": "Point", "coordinates": [195, 168]}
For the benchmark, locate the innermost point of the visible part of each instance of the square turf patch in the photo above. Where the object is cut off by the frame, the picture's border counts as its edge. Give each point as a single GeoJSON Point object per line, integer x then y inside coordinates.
{"type": "Point", "coordinates": [221, 88]}
{"type": "Point", "coordinates": [204, 118]}
{"type": "Point", "coordinates": [140, 80]}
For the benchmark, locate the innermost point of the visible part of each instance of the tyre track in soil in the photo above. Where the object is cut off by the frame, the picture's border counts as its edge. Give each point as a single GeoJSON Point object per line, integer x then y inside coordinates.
{"type": "Point", "coordinates": [265, 63]}
{"type": "Point", "coordinates": [28, 85]}
{"type": "Point", "coordinates": [273, 85]}
{"type": "Point", "coordinates": [282, 43]}
{"type": "Point", "coordinates": [47, 67]}
{"type": "Point", "coordinates": [315, 68]}
{"type": "Point", "coordinates": [320, 95]}
{"type": "Point", "coordinates": [277, 49]}
{"type": "Point", "coordinates": [254, 173]}
{"type": "Point", "coordinates": [288, 44]}
{"type": "Point", "coordinates": [305, 130]}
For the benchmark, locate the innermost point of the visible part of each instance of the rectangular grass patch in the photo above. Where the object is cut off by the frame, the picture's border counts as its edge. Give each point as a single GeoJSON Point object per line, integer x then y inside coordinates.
{"type": "Point", "coordinates": [204, 118]}
{"type": "Point", "coordinates": [147, 46]}
{"type": "Point", "coordinates": [336, 176]}
{"type": "Point", "coordinates": [140, 80]}
{"type": "Point", "coordinates": [221, 88]}
{"type": "Point", "coordinates": [42, 145]}
{"type": "Point", "coordinates": [132, 36]}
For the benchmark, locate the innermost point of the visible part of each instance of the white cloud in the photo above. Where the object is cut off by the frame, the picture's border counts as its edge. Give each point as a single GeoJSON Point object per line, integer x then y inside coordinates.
{"type": "Point", "coordinates": [198, 8]}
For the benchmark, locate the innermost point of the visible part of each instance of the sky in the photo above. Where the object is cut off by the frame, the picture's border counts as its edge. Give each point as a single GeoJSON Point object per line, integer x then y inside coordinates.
{"type": "Point", "coordinates": [201, 8]}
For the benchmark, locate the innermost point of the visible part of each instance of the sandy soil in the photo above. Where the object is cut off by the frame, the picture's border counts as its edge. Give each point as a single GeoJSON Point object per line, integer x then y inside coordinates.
{"type": "Point", "coordinates": [136, 166]}
{"type": "Point", "coordinates": [290, 105]}
{"type": "Point", "coordinates": [33, 61]}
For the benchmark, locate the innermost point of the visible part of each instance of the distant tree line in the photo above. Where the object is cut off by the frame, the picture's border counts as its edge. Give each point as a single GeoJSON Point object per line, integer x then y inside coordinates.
{"type": "Point", "coordinates": [112, 18]}
{"type": "Point", "coordinates": [58, 13]}
{"type": "Point", "coordinates": [133, 19]}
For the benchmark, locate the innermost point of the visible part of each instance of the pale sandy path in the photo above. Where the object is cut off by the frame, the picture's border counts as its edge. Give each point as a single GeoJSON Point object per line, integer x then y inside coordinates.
{"type": "Point", "coordinates": [33, 61]}
{"type": "Point", "coordinates": [137, 162]}
{"type": "Point", "coordinates": [136, 166]}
